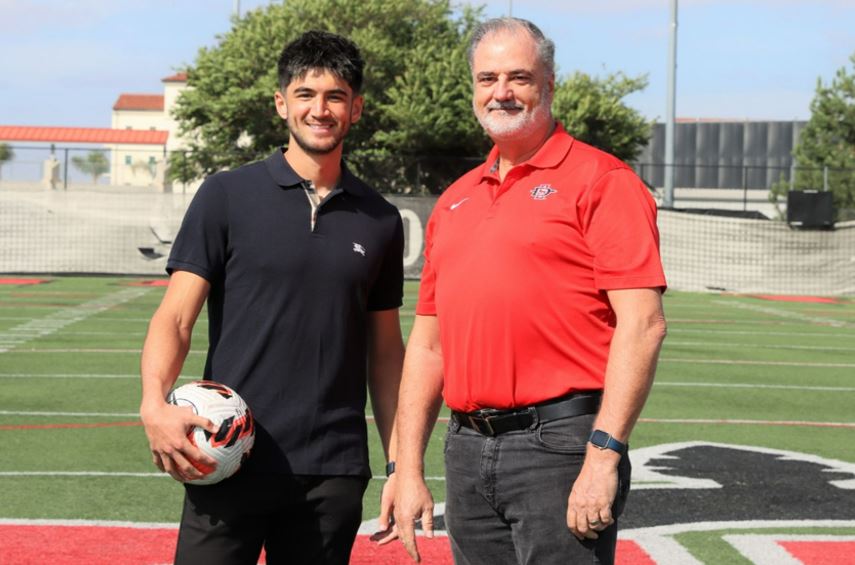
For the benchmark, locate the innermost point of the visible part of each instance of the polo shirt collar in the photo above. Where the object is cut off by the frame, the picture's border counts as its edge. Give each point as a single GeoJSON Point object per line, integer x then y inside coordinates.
{"type": "Point", "coordinates": [286, 177]}
{"type": "Point", "coordinates": [550, 154]}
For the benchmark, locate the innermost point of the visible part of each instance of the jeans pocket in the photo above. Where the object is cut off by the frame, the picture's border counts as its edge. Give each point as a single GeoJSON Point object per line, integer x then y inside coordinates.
{"type": "Point", "coordinates": [567, 435]}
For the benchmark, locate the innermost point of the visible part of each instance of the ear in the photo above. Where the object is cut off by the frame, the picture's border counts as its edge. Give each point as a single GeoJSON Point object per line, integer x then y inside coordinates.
{"type": "Point", "coordinates": [356, 109]}
{"type": "Point", "coordinates": [281, 105]}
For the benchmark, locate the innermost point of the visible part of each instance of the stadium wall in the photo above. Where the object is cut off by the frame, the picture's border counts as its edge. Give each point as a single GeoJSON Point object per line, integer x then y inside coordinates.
{"type": "Point", "coordinates": [123, 230]}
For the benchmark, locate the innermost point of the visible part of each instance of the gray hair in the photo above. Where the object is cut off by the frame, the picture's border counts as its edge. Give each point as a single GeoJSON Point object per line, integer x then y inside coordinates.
{"type": "Point", "coordinates": [545, 46]}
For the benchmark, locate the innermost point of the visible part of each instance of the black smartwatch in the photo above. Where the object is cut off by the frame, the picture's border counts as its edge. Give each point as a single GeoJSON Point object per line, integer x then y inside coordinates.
{"type": "Point", "coordinates": [390, 468]}
{"type": "Point", "coordinates": [604, 440]}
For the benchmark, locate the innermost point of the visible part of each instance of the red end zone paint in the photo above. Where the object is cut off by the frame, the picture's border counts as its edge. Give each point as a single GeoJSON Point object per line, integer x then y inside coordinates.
{"type": "Point", "coordinates": [23, 281]}
{"type": "Point", "coordinates": [821, 553]}
{"type": "Point", "coordinates": [107, 545]}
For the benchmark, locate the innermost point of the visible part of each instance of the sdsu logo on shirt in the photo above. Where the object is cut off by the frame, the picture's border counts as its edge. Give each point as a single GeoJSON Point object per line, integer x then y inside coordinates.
{"type": "Point", "coordinates": [541, 191]}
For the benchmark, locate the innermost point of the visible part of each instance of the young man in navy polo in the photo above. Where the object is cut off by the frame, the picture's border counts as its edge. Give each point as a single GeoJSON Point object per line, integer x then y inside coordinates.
{"type": "Point", "coordinates": [301, 266]}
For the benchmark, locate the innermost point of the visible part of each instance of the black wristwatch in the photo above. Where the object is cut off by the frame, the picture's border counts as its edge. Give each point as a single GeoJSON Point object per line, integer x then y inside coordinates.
{"type": "Point", "coordinates": [604, 440]}
{"type": "Point", "coordinates": [390, 468]}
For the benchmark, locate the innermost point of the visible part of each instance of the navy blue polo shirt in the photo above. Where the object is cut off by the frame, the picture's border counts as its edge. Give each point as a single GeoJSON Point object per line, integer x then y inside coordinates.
{"type": "Point", "coordinates": [288, 306]}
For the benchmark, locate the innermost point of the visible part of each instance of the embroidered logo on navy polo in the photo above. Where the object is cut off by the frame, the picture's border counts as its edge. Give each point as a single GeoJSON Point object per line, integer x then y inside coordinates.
{"type": "Point", "coordinates": [541, 191]}
{"type": "Point", "coordinates": [358, 248]}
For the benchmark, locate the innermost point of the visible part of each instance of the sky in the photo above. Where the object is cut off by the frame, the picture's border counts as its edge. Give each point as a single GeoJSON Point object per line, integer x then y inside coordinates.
{"type": "Point", "coordinates": [65, 63]}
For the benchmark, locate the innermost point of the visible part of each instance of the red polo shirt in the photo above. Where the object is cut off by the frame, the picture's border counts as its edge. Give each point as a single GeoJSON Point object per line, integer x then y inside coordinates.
{"type": "Point", "coordinates": [515, 272]}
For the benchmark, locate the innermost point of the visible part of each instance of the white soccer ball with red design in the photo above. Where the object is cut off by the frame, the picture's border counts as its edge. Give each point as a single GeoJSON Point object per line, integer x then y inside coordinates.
{"type": "Point", "coordinates": [231, 445]}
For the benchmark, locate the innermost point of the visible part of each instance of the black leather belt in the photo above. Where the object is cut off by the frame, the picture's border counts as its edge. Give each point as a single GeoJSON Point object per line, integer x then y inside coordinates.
{"type": "Point", "coordinates": [492, 422]}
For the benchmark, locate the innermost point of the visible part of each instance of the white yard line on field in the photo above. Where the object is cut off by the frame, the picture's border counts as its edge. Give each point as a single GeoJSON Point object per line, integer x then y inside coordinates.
{"type": "Point", "coordinates": [748, 362]}
{"type": "Point", "coordinates": [13, 337]}
{"type": "Point", "coordinates": [754, 332]}
{"type": "Point", "coordinates": [99, 351]}
{"type": "Point", "coordinates": [130, 474]}
{"type": "Point", "coordinates": [79, 376]}
{"type": "Point", "coordinates": [753, 385]}
{"type": "Point", "coordinates": [783, 313]}
{"type": "Point", "coordinates": [50, 414]}
{"type": "Point", "coordinates": [795, 423]}
{"type": "Point", "coordinates": [716, 344]}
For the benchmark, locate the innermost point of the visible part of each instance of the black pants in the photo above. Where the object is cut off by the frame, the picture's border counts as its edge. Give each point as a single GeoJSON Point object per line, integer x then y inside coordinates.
{"type": "Point", "coordinates": [299, 520]}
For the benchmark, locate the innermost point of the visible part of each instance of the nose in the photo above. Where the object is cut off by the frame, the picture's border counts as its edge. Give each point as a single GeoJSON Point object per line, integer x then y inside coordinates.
{"type": "Point", "coordinates": [320, 107]}
{"type": "Point", "coordinates": [502, 90]}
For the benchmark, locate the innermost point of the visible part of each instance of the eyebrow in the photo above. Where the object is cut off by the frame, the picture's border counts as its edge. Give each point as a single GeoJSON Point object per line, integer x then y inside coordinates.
{"type": "Point", "coordinates": [307, 90]}
{"type": "Point", "coordinates": [513, 72]}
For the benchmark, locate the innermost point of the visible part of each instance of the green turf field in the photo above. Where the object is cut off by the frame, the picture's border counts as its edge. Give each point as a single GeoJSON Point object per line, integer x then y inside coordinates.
{"type": "Point", "coordinates": [734, 369]}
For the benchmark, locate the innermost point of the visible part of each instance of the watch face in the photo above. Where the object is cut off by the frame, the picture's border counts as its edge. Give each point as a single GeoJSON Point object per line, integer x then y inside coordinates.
{"type": "Point", "coordinates": [599, 438]}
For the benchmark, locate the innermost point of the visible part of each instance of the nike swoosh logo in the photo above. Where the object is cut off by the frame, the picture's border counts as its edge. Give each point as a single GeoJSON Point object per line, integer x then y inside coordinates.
{"type": "Point", "coordinates": [458, 203]}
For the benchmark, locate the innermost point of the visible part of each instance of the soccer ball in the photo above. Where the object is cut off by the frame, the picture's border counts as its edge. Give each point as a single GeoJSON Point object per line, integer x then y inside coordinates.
{"type": "Point", "coordinates": [224, 407]}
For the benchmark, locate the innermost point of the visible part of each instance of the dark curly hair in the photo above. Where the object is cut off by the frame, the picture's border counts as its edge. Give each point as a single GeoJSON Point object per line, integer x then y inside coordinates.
{"type": "Point", "coordinates": [321, 50]}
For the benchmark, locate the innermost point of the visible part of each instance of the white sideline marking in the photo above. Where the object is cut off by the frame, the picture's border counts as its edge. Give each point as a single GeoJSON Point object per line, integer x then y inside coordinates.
{"type": "Point", "coordinates": [746, 362]}
{"type": "Point", "coordinates": [89, 523]}
{"type": "Point", "coordinates": [785, 313]}
{"type": "Point", "coordinates": [765, 550]}
{"type": "Point", "coordinates": [59, 319]}
{"type": "Point", "coordinates": [658, 541]}
{"type": "Point", "coordinates": [369, 527]}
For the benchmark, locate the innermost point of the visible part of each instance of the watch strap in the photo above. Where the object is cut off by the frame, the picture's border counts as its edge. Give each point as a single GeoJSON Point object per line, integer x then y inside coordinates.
{"type": "Point", "coordinates": [604, 440]}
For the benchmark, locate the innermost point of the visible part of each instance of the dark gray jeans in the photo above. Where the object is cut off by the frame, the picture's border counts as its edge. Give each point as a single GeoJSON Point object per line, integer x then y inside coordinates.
{"type": "Point", "coordinates": [506, 496]}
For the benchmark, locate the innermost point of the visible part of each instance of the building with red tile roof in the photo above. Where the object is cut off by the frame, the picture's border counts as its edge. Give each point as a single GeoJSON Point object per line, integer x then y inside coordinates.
{"type": "Point", "coordinates": [140, 102]}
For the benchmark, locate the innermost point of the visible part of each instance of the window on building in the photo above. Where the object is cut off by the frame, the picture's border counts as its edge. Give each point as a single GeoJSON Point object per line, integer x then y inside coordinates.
{"type": "Point", "coordinates": [152, 161]}
{"type": "Point", "coordinates": [128, 159]}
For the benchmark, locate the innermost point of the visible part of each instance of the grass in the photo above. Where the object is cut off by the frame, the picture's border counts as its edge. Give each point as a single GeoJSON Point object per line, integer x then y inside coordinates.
{"type": "Point", "coordinates": [730, 358]}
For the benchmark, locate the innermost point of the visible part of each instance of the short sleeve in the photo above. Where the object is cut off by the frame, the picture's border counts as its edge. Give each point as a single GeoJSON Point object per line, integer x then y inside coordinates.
{"type": "Point", "coordinates": [426, 305]}
{"type": "Point", "coordinates": [388, 289]}
{"type": "Point", "coordinates": [618, 216]}
{"type": "Point", "coordinates": [201, 244]}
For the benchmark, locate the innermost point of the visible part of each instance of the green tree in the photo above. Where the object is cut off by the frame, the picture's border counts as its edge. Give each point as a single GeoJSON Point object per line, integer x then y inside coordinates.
{"type": "Point", "coordinates": [232, 84]}
{"type": "Point", "coordinates": [6, 154]}
{"type": "Point", "coordinates": [418, 128]}
{"type": "Point", "coordinates": [592, 110]}
{"type": "Point", "coordinates": [94, 164]}
{"type": "Point", "coordinates": [826, 147]}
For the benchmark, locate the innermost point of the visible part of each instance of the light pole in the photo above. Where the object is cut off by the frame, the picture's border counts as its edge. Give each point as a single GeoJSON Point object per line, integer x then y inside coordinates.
{"type": "Point", "coordinates": [668, 199]}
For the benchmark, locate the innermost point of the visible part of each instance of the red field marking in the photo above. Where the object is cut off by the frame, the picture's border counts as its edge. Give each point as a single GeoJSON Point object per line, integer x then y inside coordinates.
{"type": "Point", "coordinates": [436, 551]}
{"type": "Point", "coordinates": [791, 298]}
{"type": "Point", "coordinates": [85, 545]}
{"type": "Point", "coordinates": [69, 426]}
{"type": "Point", "coordinates": [630, 553]}
{"type": "Point", "coordinates": [106, 545]}
{"type": "Point", "coordinates": [158, 282]}
{"type": "Point", "coordinates": [24, 281]}
{"type": "Point", "coordinates": [821, 553]}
